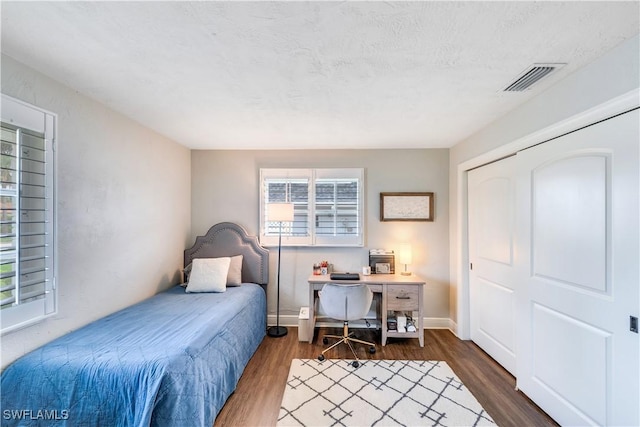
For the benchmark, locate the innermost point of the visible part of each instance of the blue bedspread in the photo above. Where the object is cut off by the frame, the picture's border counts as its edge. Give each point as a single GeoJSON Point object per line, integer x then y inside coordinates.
{"type": "Point", "coordinates": [171, 360]}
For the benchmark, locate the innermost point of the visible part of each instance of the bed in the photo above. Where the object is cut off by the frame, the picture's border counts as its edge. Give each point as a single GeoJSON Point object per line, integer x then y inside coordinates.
{"type": "Point", "coordinates": [171, 360]}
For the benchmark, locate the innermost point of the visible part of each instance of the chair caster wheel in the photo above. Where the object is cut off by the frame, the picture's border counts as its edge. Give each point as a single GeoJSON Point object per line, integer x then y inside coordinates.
{"type": "Point", "coordinates": [372, 350]}
{"type": "Point", "coordinates": [321, 357]}
{"type": "Point", "coordinates": [325, 341]}
{"type": "Point", "coordinates": [355, 364]}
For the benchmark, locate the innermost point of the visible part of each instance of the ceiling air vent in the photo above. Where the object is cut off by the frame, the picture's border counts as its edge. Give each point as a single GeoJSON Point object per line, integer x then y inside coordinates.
{"type": "Point", "coordinates": [532, 75]}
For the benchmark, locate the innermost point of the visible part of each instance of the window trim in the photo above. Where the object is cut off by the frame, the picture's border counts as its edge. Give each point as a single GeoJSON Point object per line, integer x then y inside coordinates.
{"type": "Point", "coordinates": [29, 117]}
{"type": "Point", "coordinates": [313, 174]}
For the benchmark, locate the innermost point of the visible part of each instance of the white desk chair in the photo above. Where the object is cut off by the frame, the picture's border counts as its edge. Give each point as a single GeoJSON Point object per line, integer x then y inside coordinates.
{"type": "Point", "coordinates": [346, 302]}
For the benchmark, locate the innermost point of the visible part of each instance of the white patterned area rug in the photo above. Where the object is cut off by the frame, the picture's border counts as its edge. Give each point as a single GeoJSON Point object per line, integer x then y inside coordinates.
{"type": "Point", "coordinates": [378, 393]}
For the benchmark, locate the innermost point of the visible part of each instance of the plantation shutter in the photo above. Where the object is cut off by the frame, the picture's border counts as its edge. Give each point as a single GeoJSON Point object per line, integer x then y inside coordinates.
{"type": "Point", "coordinates": [26, 225]}
{"type": "Point", "coordinates": [282, 186]}
{"type": "Point", "coordinates": [327, 206]}
{"type": "Point", "coordinates": [338, 207]}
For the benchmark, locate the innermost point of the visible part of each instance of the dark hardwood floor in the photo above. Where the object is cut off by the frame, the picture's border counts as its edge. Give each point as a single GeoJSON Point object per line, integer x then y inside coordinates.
{"type": "Point", "coordinates": [256, 401]}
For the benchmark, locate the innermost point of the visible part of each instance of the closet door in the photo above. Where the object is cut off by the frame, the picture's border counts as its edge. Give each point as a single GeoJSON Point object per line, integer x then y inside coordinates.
{"type": "Point", "coordinates": [491, 203]}
{"type": "Point", "coordinates": [577, 233]}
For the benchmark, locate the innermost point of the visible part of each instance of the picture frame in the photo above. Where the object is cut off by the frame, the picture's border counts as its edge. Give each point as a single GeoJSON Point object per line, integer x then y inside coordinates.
{"type": "Point", "coordinates": [383, 268]}
{"type": "Point", "coordinates": [382, 263]}
{"type": "Point", "coordinates": [406, 206]}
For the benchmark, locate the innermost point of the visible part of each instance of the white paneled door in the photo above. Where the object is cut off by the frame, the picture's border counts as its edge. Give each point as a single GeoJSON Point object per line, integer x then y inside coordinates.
{"type": "Point", "coordinates": [492, 281]}
{"type": "Point", "coordinates": [578, 277]}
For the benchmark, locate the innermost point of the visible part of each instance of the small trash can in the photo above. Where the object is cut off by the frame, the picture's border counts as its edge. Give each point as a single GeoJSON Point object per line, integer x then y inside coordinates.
{"type": "Point", "coordinates": [303, 324]}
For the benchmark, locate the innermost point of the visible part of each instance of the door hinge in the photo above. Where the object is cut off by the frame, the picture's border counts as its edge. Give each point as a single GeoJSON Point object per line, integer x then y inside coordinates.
{"type": "Point", "coordinates": [633, 324]}
{"type": "Point", "coordinates": [470, 266]}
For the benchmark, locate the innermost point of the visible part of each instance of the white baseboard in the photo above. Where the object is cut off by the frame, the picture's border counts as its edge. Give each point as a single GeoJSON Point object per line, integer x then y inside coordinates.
{"type": "Point", "coordinates": [453, 327]}
{"type": "Point", "coordinates": [439, 323]}
{"type": "Point", "coordinates": [429, 322]}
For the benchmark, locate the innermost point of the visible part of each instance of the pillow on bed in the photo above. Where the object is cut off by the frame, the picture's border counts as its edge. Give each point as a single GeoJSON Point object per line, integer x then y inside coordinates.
{"type": "Point", "coordinates": [208, 275]}
{"type": "Point", "coordinates": [234, 277]}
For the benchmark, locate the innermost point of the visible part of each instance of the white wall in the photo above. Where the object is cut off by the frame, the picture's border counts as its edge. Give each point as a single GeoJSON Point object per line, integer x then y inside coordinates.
{"type": "Point", "coordinates": [613, 75]}
{"type": "Point", "coordinates": [225, 187]}
{"type": "Point", "coordinates": [124, 206]}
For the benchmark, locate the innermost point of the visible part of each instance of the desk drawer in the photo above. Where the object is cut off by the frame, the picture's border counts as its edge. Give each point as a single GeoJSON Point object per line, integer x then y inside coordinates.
{"type": "Point", "coordinates": [402, 298]}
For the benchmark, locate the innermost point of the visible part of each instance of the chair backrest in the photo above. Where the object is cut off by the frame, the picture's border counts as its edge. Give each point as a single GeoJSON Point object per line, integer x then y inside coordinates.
{"type": "Point", "coordinates": [345, 301]}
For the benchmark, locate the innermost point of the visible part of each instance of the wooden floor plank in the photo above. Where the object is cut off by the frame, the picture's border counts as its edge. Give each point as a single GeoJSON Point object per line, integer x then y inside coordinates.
{"type": "Point", "coordinates": [256, 401]}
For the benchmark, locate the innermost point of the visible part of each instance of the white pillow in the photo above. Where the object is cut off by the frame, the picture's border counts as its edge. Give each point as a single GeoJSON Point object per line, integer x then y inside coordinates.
{"type": "Point", "coordinates": [234, 277]}
{"type": "Point", "coordinates": [209, 275]}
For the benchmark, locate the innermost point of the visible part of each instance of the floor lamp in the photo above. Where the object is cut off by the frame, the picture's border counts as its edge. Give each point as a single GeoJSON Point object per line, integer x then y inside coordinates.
{"type": "Point", "coordinates": [279, 212]}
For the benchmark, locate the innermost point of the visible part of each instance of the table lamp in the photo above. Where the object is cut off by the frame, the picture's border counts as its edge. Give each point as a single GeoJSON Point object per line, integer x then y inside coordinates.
{"type": "Point", "coordinates": [405, 257]}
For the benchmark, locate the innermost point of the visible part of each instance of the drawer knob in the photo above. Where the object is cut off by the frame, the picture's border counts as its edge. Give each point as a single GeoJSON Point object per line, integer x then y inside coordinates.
{"type": "Point", "coordinates": [403, 296]}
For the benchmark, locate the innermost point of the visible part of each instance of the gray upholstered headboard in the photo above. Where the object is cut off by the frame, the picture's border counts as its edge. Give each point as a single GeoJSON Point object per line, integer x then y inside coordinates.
{"type": "Point", "coordinates": [229, 239]}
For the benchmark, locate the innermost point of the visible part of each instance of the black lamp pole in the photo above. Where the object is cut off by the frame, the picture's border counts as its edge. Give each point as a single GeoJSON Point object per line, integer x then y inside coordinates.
{"type": "Point", "coordinates": [278, 331]}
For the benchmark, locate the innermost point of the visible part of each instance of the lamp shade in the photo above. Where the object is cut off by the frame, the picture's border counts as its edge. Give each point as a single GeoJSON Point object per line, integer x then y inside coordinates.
{"type": "Point", "coordinates": [405, 254]}
{"type": "Point", "coordinates": [280, 212]}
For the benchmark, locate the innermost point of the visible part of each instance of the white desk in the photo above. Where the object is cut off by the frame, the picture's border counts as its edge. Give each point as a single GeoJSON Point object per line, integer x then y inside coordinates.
{"type": "Point", "coordinates": [398, 293]}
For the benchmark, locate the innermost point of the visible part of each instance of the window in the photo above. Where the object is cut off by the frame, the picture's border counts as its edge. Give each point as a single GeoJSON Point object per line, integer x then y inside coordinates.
{"type": "Point", "coordinates": [328, 206]}
{"type": "Point", "coordinates": [27, 266]}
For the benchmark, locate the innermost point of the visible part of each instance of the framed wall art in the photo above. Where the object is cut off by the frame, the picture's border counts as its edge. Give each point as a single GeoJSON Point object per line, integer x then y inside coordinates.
{"type": "Point", "coordinates": [406, 206]}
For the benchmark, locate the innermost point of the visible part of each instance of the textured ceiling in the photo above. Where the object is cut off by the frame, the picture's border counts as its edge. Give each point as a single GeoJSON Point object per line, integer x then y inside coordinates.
{"type": "Point", "coordinates": [239, 75]}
